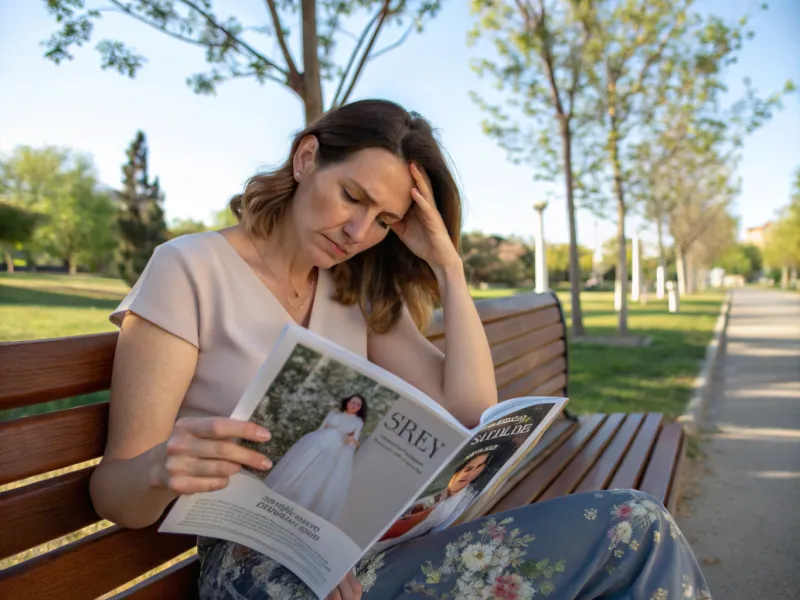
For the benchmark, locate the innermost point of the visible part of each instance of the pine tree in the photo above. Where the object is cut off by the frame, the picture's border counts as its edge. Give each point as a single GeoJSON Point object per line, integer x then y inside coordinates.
{"type": "Point", "coordinates": [141, 221]}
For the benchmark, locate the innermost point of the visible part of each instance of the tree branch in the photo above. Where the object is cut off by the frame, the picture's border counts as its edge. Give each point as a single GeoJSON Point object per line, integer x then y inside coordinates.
{"type": "Point", "coordinates": [391, 47]}
{"type": "Point", "coordinates": [125, 9]}
{"type": "Point", "coordinates": [294, 76]}
{"type": "Point", "coordinates": [381, 17]}
{"type": "Point", "coordinates": [335, 102]}
{"type": "Point", "coordinates": [237, 43]}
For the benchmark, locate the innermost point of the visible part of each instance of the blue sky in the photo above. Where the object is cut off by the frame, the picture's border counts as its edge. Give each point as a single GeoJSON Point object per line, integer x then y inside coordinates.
{"type": "Point", "coordinates": [204, 147]}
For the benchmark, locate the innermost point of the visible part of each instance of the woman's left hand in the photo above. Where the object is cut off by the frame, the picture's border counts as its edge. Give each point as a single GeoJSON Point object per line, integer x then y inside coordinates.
{"type": "Point", "coordinates": [423, 230]}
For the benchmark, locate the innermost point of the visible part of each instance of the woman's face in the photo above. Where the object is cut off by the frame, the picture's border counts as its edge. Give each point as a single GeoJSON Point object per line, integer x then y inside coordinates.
{"type": "Point", "coordinates": [346, 208]}
{"type": "Point", "coordinates": [354, 405]}
{"type": "Point", "coordinates": [467, 474]}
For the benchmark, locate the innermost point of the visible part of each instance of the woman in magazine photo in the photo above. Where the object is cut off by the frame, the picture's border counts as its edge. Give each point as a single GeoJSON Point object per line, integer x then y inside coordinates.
{"type": "Point", "coordinates": [355, 235]}
{"type": "Point", "coordinates": [316, 470]}
{"type": "Point", "coordinates": [437, 508]}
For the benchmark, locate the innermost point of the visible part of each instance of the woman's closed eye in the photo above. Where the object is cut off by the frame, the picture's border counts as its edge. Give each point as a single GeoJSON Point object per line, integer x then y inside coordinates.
{"type": "Point", "coordinates": [353, 200]}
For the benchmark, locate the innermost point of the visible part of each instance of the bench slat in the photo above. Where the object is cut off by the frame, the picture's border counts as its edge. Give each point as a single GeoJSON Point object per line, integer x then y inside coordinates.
{"type": "Point", "coordinates": [508, 332]}
{"type": "Point", "coordinates": [38, 371]}
{"type": "Point", "coordinates": [494, 309]}
{"type": "Point", "coordinates": [658, 475]}
{"type": "Point", "coordinates": [94, 565]}
{"type": "Point", "coordinates": [606, 466]}
{"type": "Point", "coordinates": [584, 460]}
{"type": "Point", "coordinates": [178, 582]}
{"type": "Point", "coordinates": [550, 441]}
{"type": "Point", "coordinates": [529, 489]}
{"type": "Point", "coordinates": [547, 348]}
{"type": "Point", "coordinates": [46, 510]}
{"type": "Point", "coordinates": [523, 386]}
{"type": "Point", "coordinates": [630, 471]}
{"type": "Point", "coordinates": [41, 443]}
{"type": "Point", "coordinates": [552, 387]}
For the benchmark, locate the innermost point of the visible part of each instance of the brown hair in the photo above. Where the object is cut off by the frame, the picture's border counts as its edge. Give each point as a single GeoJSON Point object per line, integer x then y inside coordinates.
{"type": "Point", "coordinates": [385, 276]}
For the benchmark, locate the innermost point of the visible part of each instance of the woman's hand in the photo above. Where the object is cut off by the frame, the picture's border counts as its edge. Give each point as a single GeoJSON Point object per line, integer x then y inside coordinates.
{"type": "Point", "coordinates": [200, 456]}
{"type": "Point", "coordinates": [423, 229]}
{"type": "Point", "coordinates": [348, 589]}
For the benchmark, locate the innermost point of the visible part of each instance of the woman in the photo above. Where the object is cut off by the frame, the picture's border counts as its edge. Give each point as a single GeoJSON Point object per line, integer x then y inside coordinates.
{"type": "Point", "coordinates": [355, 236]}
{"type": "Point", "coordinates": [316, 470]}
{"type": "Point", "coordinates": [434, 510]}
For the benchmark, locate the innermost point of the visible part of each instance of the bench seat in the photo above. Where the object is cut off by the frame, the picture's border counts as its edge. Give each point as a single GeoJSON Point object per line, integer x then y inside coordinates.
{"type": "Point", "coordinates": [56, 453]}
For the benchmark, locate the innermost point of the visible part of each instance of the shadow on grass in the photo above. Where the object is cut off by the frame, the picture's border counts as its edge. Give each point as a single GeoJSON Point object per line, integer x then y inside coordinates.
{"type": "Point", "coordinates": [656, 378]}
{"type": "Point", "coordinates": [11, 295]}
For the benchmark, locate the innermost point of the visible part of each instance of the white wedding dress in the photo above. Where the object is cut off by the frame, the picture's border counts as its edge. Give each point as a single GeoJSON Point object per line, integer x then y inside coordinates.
{"type": "Point", "coordinates": [316, 471]}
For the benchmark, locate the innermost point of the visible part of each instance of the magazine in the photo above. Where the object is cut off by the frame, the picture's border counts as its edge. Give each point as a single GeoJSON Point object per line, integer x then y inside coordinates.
{"type": "Point", "coordinates": [362, 461]}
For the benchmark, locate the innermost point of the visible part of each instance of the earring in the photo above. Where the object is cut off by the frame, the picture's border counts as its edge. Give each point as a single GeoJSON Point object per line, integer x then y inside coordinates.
{"type": "Point", "coordinates": [297, 173]}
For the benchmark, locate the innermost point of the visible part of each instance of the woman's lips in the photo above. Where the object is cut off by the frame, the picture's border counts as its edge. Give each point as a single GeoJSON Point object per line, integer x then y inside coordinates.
{"type": "Point", "coordinates": [335, 247]}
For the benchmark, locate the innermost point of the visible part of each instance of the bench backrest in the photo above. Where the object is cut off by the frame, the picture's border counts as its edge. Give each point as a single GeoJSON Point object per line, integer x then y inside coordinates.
{"type": "Point", "coordinates": [46, 460]}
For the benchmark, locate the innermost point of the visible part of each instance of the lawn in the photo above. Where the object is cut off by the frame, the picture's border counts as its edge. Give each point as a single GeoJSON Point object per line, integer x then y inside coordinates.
{"type": "Point", "coordinates": [654, 378]}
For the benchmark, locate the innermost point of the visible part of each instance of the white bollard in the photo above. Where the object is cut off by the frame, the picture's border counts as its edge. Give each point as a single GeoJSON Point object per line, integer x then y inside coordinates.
{"type": "Point", "coordinates": [672, 298]}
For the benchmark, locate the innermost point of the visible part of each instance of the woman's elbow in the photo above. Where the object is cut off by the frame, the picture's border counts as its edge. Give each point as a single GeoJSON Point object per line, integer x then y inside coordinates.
{"type": "Point", "coordinates": [108, 504]}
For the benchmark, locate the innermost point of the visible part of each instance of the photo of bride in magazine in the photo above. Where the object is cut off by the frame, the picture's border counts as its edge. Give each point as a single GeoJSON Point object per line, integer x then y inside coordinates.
{"type": "Point", "coordinates": [319, 412]}
{"type": "Point", "coordinates": [317, 469]}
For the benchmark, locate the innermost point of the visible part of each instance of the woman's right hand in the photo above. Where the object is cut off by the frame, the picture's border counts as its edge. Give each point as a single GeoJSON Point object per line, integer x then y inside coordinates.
{"type": "Point", "coordinates": [200, 454]}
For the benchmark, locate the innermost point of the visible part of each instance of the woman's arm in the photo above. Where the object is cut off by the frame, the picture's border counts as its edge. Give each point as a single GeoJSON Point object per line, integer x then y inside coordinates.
{"type": "Point", "coordinates": [462, 378]}
{"type": "Point", "coordinates": [149, 459]}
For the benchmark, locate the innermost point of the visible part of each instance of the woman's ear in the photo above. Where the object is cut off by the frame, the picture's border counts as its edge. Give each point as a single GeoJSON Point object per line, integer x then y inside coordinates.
{"type": "Point", "coordinates": [305, 158]}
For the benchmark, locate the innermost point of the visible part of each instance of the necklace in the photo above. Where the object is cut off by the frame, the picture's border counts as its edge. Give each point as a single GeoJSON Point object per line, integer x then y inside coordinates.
{"type": "Point", "coordinates": [280, 283]}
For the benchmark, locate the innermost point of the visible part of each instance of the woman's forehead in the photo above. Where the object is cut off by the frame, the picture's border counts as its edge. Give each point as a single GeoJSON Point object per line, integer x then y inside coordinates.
{"type": "Point", "coordinates": [384, 178]}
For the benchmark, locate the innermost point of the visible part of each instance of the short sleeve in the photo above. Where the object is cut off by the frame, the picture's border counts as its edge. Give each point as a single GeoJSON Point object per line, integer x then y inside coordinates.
{"type": "Point", "coordinates": [166, 295]}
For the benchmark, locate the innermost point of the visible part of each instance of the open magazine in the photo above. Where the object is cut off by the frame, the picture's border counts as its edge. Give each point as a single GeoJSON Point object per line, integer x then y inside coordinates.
{"type": "Point", "coordinates": [362, 461]}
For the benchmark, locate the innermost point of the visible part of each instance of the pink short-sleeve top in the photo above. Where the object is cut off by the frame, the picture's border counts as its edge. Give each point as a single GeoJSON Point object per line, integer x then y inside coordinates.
{"type": "Point", "coordinates": [200, 289]}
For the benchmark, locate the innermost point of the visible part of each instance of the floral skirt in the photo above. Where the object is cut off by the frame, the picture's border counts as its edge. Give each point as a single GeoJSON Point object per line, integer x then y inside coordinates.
{"type": "Point", "coordinates": [618, 544]}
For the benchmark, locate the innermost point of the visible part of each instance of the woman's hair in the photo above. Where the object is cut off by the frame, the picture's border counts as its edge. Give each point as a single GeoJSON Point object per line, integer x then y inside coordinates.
{"type": "Point", "coordinates": [362, 412]}
{"type": "Point", "coordinates": [385, 276]}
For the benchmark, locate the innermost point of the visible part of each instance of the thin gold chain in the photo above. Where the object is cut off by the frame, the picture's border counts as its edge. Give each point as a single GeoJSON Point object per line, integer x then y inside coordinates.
{"type": "Point", "coordinates": [280, 283]}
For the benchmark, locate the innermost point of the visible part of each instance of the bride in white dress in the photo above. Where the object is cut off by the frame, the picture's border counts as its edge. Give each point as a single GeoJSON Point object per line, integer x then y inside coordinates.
{"type": "Point", "coordinates": [316, 471]}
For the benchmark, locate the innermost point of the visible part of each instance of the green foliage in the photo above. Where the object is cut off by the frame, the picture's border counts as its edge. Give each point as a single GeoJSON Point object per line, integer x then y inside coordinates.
{"type": "Point", "coordinates": [141, 218]}
{"type": "Point", "coordinates": [16, 224]}
{"type": "Point", "coordinates": [231, 46]}
{"type": "Point", "coordinates": [181, 227]}
{"type": "Point", "coordinates": [783, 244]}
{"type": "Point", "coordinates": [497, 260]}
{"type": "Point", "coordinates": [223, 218]}
{"type": "Point", "coordinates": [558, 262]}
{"type": "Point", "coordinates": [75, 218]}
{"type": "Point", "coordinates": [742, 259]}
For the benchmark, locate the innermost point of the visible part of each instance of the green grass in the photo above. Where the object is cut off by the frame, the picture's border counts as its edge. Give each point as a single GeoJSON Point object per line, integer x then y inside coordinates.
{"type": "Point", "coordinates": [607, 379]}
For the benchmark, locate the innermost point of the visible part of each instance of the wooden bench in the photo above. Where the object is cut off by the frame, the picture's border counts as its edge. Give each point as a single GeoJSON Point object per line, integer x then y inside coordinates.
{"type": "Point", "coordinates": [528, 340]}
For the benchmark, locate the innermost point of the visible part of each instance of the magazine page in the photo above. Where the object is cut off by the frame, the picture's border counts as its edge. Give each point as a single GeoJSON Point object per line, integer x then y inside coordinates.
{"type": "Point", "coordinates": [473, 471]}
{"type": "Point", "coordinates": [524, 426]}
{"type": "Point", "coordinates": [351, 446]}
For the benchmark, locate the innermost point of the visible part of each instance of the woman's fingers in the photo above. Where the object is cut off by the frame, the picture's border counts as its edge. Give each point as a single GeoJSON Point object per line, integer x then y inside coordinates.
{"type": "Point", "coordinates": [422, 182]}
{"type": "Point", "coordinates": [220, 450]}
{"type": "Point", "coordinates": [222, 428]}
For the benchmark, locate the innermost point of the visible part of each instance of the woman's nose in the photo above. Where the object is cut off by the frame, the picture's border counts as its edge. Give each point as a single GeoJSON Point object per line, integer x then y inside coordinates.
{"type": "Point", "coordinates": [357, 228]}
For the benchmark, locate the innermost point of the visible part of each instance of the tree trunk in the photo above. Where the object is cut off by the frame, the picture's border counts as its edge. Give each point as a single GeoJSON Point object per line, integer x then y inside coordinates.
{"type": "Point", "coordinates": [622, 258]}
{"type": "Point", "coordinates": [680, 263]}
{"type": "Point", "coordinates": [574, 264]}
{"type": "Point", "coordinates": [690, 273]}
{"type": "Point", "coordinates": [662, 256]}
{"type": "Point", "coordinates": [784, 277]}
{"type": "Point", "coordinates": [312, 84]}
{"type": "Point", "coordinates": [9, 261]}
{"type": "Point", "coordinates": [72, 265]}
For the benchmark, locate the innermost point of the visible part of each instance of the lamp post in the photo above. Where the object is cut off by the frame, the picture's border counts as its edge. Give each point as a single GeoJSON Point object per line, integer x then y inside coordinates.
{"type": "Point", "coordinates": [542, 284]}
{"type": "Point", "coordinates": [636, 268]}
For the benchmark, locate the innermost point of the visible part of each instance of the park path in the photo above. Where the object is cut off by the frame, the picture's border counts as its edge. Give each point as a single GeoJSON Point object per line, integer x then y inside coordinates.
{"type": "Point", "coordinates": [744, 524]}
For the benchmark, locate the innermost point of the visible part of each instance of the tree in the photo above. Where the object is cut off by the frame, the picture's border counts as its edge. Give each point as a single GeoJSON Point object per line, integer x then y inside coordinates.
{"type": "Point", "coordinates": [631, 40]}
{"type": "Point", "coordinates": [741, 259]}
{"type": "Point", "coordinates": [141, 220]}
{"type": "Point", "coordinates": [234, 50]}
{"type": "Point", "coordinates": [61, 186]}
{"type": "Point", "coordinates": [223, 218]}
{"type": "Point", "coordinates": [80, 217]}
{"type": "Point", "coordinates": [558, 262]}
{"type": "Point", "coordinates": [540, 47]}
{"type": "Point", "coordinates": [181, 227]}
{"type": "Point", "coordinates": [16, 227]}
{"type": "Point", "coordinates": [783, 245]}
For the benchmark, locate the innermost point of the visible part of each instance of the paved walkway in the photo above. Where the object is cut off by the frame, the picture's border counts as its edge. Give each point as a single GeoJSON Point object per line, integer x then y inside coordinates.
{"type": "Point", "coordinates": [745, 521]}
